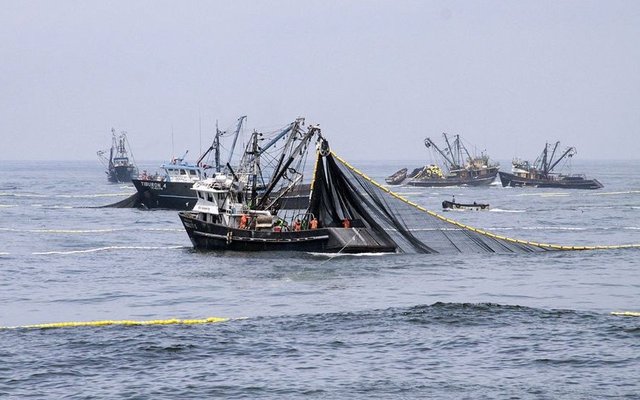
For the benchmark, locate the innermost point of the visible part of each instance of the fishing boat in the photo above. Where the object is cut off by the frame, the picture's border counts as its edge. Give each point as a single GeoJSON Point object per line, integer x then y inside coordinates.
{"type": "Point", "coordinates": [347, 211]}
{"type": "Point", "coordinates": [119, 167]}
{"type": "Point", "coordinates": [541, 173]}
{"type": "Point", "coordinates": [232, 215]}
{"type": "Point", "coordinates": [453, 205]}
{"type": "Point", "coordinates": [397, 178]}
{"type": "Point", "coordinates": [170, 188]}
{"type": "Point", "coordinates": [458, 167]}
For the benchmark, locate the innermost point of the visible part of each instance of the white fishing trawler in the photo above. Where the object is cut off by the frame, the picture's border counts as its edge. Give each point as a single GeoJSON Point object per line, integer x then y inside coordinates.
{"type": "Point", "coordinates": [234, 213]}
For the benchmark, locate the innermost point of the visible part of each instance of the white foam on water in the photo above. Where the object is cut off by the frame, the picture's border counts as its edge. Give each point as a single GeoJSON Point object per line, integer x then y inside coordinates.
{"type": "Point", "coordinates": [408, 193]}
{"type": "Point", "coordinates": [65, 196]}
{"type": "Point", "coordinates": [615, 193]}
{"type": "Point", "coordinates": [333, 255]}
{"type": "Point", "coordinates": [162, 229]}
{"type": "Point", "coordinates": [3, 194]}
{"type": "Point", "coordinates": [553, 194]}
{"type": "Point", "coordinates": [537, 228]}
{"type": "Point", "coordinates": [107, 248]}
{"type": "Point", "coordinates": [551, 228]}
{"type": "Point", "coordinates": [506, 211]}
{"type": "Point", "coordinates": [90, 196]}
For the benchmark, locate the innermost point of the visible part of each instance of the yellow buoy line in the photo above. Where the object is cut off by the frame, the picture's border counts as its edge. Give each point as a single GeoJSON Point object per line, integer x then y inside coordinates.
{"type": "Point", "coordinates": [123, 322]}
{"type": "Point", "coordinates": [480, 231]}
{"type": "Point", "coordinates": [626, 313]}
{"type": "Point", "coordinates": [176, 321]}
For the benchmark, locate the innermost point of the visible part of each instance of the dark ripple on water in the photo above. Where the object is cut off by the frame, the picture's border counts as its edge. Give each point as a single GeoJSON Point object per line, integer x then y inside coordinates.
{"type": "Point", "coordinates": [445, 350]}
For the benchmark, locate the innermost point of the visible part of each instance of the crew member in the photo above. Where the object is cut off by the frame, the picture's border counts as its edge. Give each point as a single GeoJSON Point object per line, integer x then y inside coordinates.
{"type": "Point", "coordinates": [313, 224]}
{"type": "Point", "coordinates": [296, 225]}
{"type": "Point", "coordinates": [243, 221]}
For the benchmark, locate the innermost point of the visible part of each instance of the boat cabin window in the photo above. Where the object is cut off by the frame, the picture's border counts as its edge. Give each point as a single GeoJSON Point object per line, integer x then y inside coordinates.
{"type": "Point", "coordinates": [183, 172]}
{"type": "Point", "coordinates": [210, 197]}
{"type": "Point", "coordinates": [192, 172]}
{"type": "Point", "coordinates": [200, 195]}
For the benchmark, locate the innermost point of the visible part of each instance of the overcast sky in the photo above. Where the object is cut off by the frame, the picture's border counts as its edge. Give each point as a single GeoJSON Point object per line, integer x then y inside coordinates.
{"type": "Point", "coordinates": [378, 76]}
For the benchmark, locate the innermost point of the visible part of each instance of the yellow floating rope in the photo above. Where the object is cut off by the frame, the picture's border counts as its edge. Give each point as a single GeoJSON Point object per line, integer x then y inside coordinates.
{"type": "Point", "coordinates": [124, 322]}
{"type": "Point", "coordinates": [626, 313]}
{"type": "Point", "coordinates": [480, 231]}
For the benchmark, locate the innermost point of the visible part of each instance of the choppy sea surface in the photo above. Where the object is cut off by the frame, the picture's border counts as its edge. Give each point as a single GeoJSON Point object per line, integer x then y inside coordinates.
{"type": "Point", "coordinates": [529, 326]}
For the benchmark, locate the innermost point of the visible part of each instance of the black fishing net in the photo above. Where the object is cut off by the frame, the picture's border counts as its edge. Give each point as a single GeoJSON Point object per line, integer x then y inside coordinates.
{"type": "Point", "coordinates": [340, 193]}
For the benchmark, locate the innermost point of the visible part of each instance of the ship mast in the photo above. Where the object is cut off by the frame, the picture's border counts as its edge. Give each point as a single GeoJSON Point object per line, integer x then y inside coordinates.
{"type": "Point", "coordinates": [235, 137]}
{"type": "Point", "coordinates": [283, 167]}
{"type": "Point", "coordinates": [113, 146]}
{"type": "Point", "coordinates": [455, 159]}
{"type": "Point", "coordinates": [553, 153]}
{"type": "Point", "coordinates": [541, 162]}
{"type": "Point", "coordinates": [546, 162]}
{"type": "Point", "coordinates": [428, 143]}
{"type": "Point", "coordinates": [255, 168]}
{"type": "Point", "coordinates": [216, 145]}
{"type": "Point", "coordinates": [569, 152]}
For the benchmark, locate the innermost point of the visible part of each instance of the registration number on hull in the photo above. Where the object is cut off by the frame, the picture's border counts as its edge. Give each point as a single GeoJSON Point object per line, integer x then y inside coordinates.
{"type": "Point", "coordinates": [154, 185]}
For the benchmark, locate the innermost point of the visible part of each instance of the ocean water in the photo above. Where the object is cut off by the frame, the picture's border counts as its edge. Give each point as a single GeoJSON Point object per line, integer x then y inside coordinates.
{"type": "Point", "coordinates": [315, 326]}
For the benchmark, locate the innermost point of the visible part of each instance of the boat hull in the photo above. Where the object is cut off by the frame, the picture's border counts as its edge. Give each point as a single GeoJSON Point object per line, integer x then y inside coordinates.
{"type": "Point", "coordinates": [211, 236]}
{"type": "Point", "coordinates": [512, 180]}
{"type": "Point", "coordinates": [397, 178]}
{"type": "Point", "coordinates": [122, 174]}
{"type": "Point", "coordinates": [483, 180]}
{"type": "Point", "coordinates": [450, 205]}
{"type": "Point", "coordinates": [166, 195]}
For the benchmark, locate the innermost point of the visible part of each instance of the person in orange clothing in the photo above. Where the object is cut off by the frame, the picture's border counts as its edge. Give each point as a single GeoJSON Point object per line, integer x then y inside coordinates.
{"type": "Point", "coordinates": [243, 221]}
{"type": "Point", "coordinates": [297, 225]}
{"type": "Point", "coordinates": [313, 224]}
{"type": "Point", "coordinates": [346, 223]}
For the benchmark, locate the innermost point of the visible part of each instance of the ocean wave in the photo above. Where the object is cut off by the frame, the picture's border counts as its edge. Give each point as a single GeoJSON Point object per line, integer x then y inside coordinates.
{"type": "Point", "coordinates": [3, 194]}
{"type": "Point", "coordinates": [553, 194]}
{"type": "Point", "coordinates": [333, 255]}
{"type": "Point", "coordinates": [408, 193]}
{"type": "Point", "coordinates": [91, 196]}
{"type": "Point", "coordinates": [108, 248]}
{"type": "Point", "coordinates": [540, 228]}
{"type": "Point", "coordinates": [506, 211]}
{"type": "Point", "coordinates": [615, 193]}
{"type": "Point", "coordinates": [64, 196]}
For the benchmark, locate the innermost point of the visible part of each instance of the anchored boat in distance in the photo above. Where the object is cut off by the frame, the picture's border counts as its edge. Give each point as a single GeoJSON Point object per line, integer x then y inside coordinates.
{"type": "Point", "coordinates": [119, 167]}
{"type": "Point", "coordinates": [458, 168]}
{"type": "Point", "coordinates": [541, 173]}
